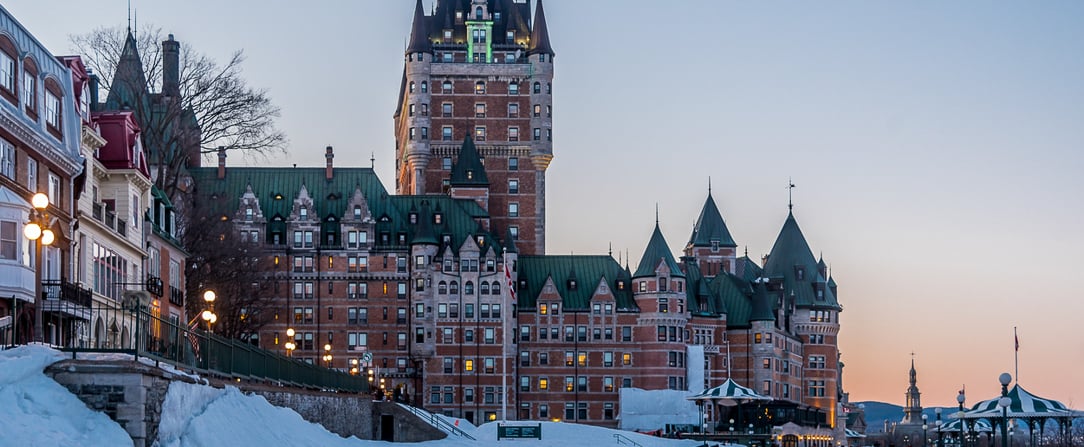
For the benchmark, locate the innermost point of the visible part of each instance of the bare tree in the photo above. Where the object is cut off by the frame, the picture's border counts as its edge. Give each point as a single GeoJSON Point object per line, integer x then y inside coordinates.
{"type": "Point", "coordinates": [210, 107]}
{"type": "Point", "coordinates": [220, 260]}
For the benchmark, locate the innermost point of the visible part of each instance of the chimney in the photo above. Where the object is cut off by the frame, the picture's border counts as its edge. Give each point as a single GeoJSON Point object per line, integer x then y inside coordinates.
{"type": "Point", "coordinates": [221, 162]}
{"type": "Point", "coordinates": [329, 156]}
{"type": "Point", "coordinates": [94, 82]}
{"type": "Point", "coordinates": [171, 74]}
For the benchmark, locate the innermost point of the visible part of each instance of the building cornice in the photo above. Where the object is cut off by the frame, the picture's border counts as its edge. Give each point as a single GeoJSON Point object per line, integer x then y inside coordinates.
{"type": "Point", "coordinates": [36, 142]}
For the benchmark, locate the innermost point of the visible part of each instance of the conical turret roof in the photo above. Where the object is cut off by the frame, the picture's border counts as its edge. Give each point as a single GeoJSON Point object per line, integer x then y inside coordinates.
{"type": "Point", "coordinates": [129, 84]}
{"type": "Point", "coordinates": [710, 226]}
{"type": "Point", "coordinates": [540, 34]}
{"type": "Point", "coordinates": [790, 250]}
{"type": "Point", "coordinates": [468, 169]}
{"type": "Point", "coordinates": [657, 251]}
{"type": "Point", "coordinates": [419, 35]}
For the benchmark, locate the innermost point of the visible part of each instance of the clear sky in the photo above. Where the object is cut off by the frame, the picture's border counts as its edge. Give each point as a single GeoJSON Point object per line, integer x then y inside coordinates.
{"type": "Point", "coordinates": [937, 148]}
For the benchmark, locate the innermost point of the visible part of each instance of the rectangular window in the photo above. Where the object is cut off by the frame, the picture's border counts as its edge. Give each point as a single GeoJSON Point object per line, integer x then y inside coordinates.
{"type": "Point", "coordinates": [9, 240]}
{"type": "Point", "coordinates": [446, 134]}
{"type": "Point", "coordinates": [513, 110]}
{"type": "Point", "coordinates": [480, 133]}
{"type": "Point", "coordinates": [513, 134]}
{"type": "Point", "coordinates": [537, 134]}
{"type": "Point", "coordinates": [513, 164]}
{"type": "Point", "coordinates": [7, 160]}
{"type": "Point", "coordinates": [7, 72]}
{"type": "Point", "coordinates": [513, 209]}
{"type": "Point", "coordinates": [480, 110]}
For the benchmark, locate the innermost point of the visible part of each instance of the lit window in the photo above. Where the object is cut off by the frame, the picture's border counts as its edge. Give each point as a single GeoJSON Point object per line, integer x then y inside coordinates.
{"type": "Point", "coordinates": [480, 133]}
{"type": "Point", "coordinates": [480, 87]}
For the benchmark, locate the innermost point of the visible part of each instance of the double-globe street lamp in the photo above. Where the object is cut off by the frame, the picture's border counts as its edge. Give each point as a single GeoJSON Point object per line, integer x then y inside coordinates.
{"type": "Point", "coordinates": [327, 354]}
{"type": "Point", "coordinates": [289, 345]}
{"type": "Point", "coordinates": [208, 314]}
{"type": "Point", "coordinates": [1004, 402]}
{"type": "Point", "coordinates": [37, 230]}
{"type": "Point", "coordinates": [924, 427]}
{"type": "Point", "coordinates": [938, 412]}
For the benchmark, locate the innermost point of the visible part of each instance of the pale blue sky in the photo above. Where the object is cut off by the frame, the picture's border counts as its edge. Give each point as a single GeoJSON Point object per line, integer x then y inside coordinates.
{"type": "Point", "coordinates": [937, 147]}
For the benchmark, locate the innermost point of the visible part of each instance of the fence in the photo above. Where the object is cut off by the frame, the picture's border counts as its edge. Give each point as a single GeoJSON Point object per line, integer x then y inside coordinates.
{"type": "Point", "coordinates": [137, 330]}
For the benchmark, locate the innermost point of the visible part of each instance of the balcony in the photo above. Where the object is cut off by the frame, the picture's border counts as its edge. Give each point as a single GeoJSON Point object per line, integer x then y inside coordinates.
{"type": "Point", "coordinates": [176, 296]}
{"type": "Point", "coordinates": [103, 214]}
{"type": "Point", "coordinates": [66, 298]}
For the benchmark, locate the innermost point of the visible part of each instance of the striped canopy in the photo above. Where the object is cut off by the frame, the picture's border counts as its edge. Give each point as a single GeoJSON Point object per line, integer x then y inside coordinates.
{"type": "Point", "coordinates": [979, 425]}
{"type": "Point", "coordinates": [728, 393]}
{"type": "Point", "coordinates": [1023, 404]}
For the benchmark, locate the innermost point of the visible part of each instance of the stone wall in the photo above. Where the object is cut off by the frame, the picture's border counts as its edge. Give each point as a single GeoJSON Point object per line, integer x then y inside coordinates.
{"type": "Point", "coordinates": [343, 414]}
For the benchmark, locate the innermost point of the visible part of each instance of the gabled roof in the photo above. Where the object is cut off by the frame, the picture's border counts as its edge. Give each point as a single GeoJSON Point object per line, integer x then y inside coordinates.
{"type": "Point", "coordinates": [701, 299]}
{"type": "Point", "coordinates": [129, 82]}
{"type": "Point", "coordinates": [657, 251]}
{"type": "Point", "coordinates": [540, 34]}
{"type": "Point", "coordinates": [419, 35]}
{"type": "Point", "coordinates": [587, 270]}
{"type": "Point", "coordinates": [710, 226]}
{"type": "Point", "coordinates": [468, 169]}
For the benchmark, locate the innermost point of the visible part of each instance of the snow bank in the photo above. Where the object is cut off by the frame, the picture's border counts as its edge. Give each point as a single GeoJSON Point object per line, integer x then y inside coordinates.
{"type": "Point", "coordinates": [39, 411]}
{"type": "Point", "coordinates": [653, 409]}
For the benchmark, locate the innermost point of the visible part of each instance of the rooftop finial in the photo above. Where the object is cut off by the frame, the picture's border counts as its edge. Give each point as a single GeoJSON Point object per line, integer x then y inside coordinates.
{"type": "Point", "coordinates": [611, 249]}
{"type": "Point", "coordinates": [709, 185]}
{"type": "Point", "coordinates": [656, 213]}
{"type": "Point", "coordinates": [129, 16]}
{"type": "Point", "coordinates": [372, 160]}
{"type": "Point", "coordinates": [790, 194]}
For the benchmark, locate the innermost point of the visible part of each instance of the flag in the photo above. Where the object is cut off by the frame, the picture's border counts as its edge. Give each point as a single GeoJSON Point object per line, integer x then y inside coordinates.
{"type": "Point", "coordinates": [193, 338]}
{"type": "Point", "coordinates": [508, 278]}
{"type": "Point", "coordinates": [1017, 340]}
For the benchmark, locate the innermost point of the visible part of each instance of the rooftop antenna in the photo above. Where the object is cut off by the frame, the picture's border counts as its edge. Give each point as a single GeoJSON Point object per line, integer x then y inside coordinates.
{"type": "Point", "coordinates": [790, 194]}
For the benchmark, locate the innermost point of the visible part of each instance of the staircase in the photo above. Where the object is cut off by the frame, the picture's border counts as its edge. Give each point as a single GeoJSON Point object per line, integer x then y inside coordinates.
{"type": "Point", "coordinates": [438, 422]}
{"type": "Point", "coordinates": [624, 440]}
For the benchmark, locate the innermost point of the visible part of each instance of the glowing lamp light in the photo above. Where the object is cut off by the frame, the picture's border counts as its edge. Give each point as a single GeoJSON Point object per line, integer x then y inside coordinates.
{"type": "Point", "coordinates": [209, 296]}
{"type": "Point", "coordinates": [40, 201]}
{"type": "Point", "coordinates": [32, 231]}
{"type": "Point", "coordinates": [207, 315]}
{"type": "Point", "coordinates": [47, 237]}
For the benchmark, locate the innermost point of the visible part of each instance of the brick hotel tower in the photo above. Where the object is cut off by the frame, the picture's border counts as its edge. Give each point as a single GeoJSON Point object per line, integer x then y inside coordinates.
{"type": "Point", "coordinates": [479, 70]}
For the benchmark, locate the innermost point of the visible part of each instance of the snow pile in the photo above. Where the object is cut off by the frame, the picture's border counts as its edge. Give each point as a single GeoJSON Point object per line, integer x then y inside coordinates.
{"type": "Point", "coordinates": [653, 409]}
{"type": "Point", "coordinates": [38, 411]}
{"type": "Point", "coordinates": [197, 415]}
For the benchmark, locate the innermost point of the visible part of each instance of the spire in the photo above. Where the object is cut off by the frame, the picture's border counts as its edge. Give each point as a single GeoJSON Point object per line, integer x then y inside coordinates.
{"type": "Point", "coordinates": [468, 169]}
{"type": "Point", "coordinates": [710, 226]}
{"type": "Point", "coordinates": [129, 81]}
{"type": "Point", "coordinates": [419, 35]}
{"type": "Point", "coordinates": [540, 35]}
{"type": "Point", "coordinates": [657, 251]}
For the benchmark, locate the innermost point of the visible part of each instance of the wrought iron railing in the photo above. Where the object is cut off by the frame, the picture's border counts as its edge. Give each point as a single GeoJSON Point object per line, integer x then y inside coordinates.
{"type": "Point", "coordinates": [138, 331]}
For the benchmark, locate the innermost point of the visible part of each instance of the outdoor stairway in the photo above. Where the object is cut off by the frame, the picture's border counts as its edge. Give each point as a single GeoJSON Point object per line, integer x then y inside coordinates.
{"type": "Point", "coordinates": [624, 440]}
{"type": "Point", "coordinates": [437, 421]}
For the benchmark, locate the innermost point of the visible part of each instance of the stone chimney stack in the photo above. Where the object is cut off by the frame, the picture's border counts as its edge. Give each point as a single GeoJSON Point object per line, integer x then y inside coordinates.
{"type": "Point", "coordinates": [94, 83]}
{"type": "Point", "coordinates": [221, 162]}
{"type": "Point", "coordinates": [330, 155]}
{"type": "Point", "coordinates": [171, 72]}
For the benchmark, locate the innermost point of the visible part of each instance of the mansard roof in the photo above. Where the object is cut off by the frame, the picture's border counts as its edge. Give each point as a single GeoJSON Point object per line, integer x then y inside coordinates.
{"type": "Point", "coordinates": [710, 227]}
{"type": "Point", "coordinates": [515, 16]}
{"type": "Point", "coordinates": [587, 270]}
{"type": "Point", "coordinates": [468, 169]}
{"type": "Point", "coordinates": [657, 251]}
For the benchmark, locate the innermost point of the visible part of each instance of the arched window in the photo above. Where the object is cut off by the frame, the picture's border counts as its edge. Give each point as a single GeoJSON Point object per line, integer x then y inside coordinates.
{"type": "Point", "coordinates": [8, 78]}
{"type": "Point", "coordinates": [411, 86]}
{"type": "Point", "coordinates": [442, 288]}
{"type": "Point", "coordinates": [495, 288]}
{"type": "Point", "coordinates": [455, 287]}
{"type": "Point", "coordinates": [537, 87]}
{"type": "Point", "coordinates": [30, 87]}
{"type": "Point", "coordinates": [483, 288]}
{"type": "Point", "coordinates": [425, 86]}
{"type": "Point", "coordinates": [478, 13]}
{"type": "Point", "coordinates": [54, 109]}
{"type": "Point", "coordinates": [468, 288]}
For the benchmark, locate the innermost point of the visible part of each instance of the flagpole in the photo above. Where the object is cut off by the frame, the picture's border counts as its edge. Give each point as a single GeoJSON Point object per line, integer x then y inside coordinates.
{"type": "Point", "coordinates": [504, 348]}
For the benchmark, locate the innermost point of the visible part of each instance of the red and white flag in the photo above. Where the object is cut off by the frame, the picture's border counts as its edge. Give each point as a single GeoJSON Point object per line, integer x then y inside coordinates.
{"type": "Point", "coordinates": [508, 278]}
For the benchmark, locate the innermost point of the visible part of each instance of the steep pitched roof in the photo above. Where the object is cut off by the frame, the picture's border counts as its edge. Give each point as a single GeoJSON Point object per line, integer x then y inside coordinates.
{"type": "Point", "coordinates": [710, 226]}
{"type": "Point", "coordinates": [509, 242]}
{"type": "Point", "coordinates": [587, 270]}
{"type": "Point", "coordinates": [419, 35]}
{"type": "Point", "coordinates": [468, 169]}
{"type": "Point", "coordinates": [540, 34]}
{"type": "Point", "coordinates": [129, 82]}
{"type": "Point", "coordinates": [657, 251]}
{"type": "Point", "coordinates": [701, 299]}
{"type": "Point", "coordinates": [792, 260]}
{"type": "Point", "coordinates": [762, 304]}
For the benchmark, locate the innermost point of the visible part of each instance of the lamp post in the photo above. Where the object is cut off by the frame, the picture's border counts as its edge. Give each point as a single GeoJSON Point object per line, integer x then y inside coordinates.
{"type": "Point", "coordinates": [937, 411]}
{"type": "Point", "coordinates": [289, 345]}
{"type": "Point", "coordinates": [327, 354]}
{"type": "Point", "coordinates": [208, 315]}
{"type": "Point", "coordinates": [924, 427]}
{"type": "Point", "coordinates": [353, 367]}
{"type": "Point", "coordinates": [1005, 379]}
{"type": "Point", "coordinates": [960, 398]}
{"type": "Point", "coordinates": [37, 230]}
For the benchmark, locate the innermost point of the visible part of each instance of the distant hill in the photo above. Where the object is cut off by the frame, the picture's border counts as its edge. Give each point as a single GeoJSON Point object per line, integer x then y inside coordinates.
{"type": "Point", "coordinates": [879, 412]}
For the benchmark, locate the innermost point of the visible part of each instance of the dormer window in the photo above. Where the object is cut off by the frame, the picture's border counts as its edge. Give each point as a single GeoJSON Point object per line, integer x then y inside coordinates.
{"type": "Point", "coordinates": [448, 35]}
{"type": "Point", "coordinates": [248, 214]}
{"type": "Point", "coordinates": [714, 246]}
{"type": "Point", "coordinates": [572, 284]}
{"type": "Point", "coordinates": [511, 38]}
{"type": "Point", "coordinates": [800, 273]}
{"type": "Point", "coordinates": [470, 174]}
{"type": "Point", "coordinates": [662, 284]}
{"type": "Point", "coordinates": [413, 218]}
{"type": "Point", "coordinates": [30, 87]}
{"type": "Point", "coordinates": [303, 213]}
{"type": "Point", "coordinates": [620, 285]}
{"type": "Point", "coordinates": [478, 13]}
{"type": "Point", "coordinates": [438, 218]}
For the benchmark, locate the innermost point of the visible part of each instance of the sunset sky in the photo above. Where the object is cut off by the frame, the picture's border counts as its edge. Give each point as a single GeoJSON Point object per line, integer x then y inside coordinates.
{"type": "Point", "coordinates": [937, 148]}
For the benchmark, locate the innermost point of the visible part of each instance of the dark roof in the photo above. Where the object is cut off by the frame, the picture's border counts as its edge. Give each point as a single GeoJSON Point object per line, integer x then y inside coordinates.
{"type": "Point", "coordinates": [540, 35]}
{"type": "Point", "coordinates": [514, 17]}
{"type": "Point", "coordinates": [509, 242]}
{"type": "Point", "coordinates": [791, 254]}
{"type": "Point", "coordinates": [763, 304]}
{"type": "Point", "coordinates": [710, 226]}
{"type": "Point", "coordinates": [702, 300]}
{"type": "Point", "coordinates": [587, 270]}
{"type": "Point", "coordinates": [129, 82]}
{"type": "Point", "coordinates": [419, 34]}
{"type": "Point", "coordinates": [657, 251]}
{"type": "Point", "coordinates": [468, 169]}
{"type": "Point", "coordinates": [736, 295]}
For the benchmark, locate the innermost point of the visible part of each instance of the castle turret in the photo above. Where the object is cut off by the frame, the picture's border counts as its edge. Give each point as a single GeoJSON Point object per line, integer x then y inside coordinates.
{"type": "Point", "coordinates": [710, 244]}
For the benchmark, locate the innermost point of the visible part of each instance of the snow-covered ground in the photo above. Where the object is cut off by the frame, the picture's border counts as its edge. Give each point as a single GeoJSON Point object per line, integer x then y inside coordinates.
{"type": "Point", "coordinates": [37, 411]}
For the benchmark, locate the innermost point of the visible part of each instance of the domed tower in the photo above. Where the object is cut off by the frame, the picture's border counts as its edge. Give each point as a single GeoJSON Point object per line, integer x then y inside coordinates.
{"type": "Point", "coordinates": [658, 287]}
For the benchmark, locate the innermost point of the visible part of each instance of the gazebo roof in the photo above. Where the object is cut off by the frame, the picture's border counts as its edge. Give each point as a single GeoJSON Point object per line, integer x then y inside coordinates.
{"type": "Point", "coordinates": [729, 393]}
{"type": "Point", "coordinates": [1023, 405]}
{"type": "Point", "coordinates": [980, 426]}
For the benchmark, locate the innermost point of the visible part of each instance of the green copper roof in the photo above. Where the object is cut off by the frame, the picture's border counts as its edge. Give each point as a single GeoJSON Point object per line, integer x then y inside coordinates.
{"type": "Point", "coordinates": [587, 270]}
{"type": "Point", "coordinates": [763, 304]}
{"type": "Point", "coordinates": [657, 251]}
{"type": "Point", "coordinates": [509, 242]}
{"type": "Point", "coordinates": [792, 260]}
{"type": "Point", "coordinates": [129, 82]}
{"type": "Point", "coordinates": [736, 296]}
{"type": "Point", "coordinates": [710, 227]}
{"type": "Point", "coordinates": [468, 169]}
{"type": "Point", "coordinates": [702, 300]}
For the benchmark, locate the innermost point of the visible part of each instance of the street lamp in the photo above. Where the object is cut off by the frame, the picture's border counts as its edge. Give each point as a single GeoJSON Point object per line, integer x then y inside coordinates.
{"type": "Point", "coordinates": [960, 398]}
{"type": "Point", "coordinates": [938, 412]}
{"type": "Point", "coordinates": [924, 426]}
{"type": "Point", "coordinates": [353, 367]}
{"type": "Point", "coordinates": [209, 314]}
{"type": "Point", "coordinates": [327, 354]}
{"type": "Point", "coordinates": [37, 230]}
{"type": "Point", "coordinates": [1005, 379]}
{"type": "Point", "coordinates": [289, 345]}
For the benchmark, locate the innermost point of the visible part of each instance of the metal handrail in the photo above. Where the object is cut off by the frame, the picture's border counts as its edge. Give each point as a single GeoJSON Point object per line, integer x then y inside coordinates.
{"type": "Point", "coordinates": [622, 439]}
{"type": "Point", "coordinates": [437, 422]}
